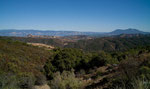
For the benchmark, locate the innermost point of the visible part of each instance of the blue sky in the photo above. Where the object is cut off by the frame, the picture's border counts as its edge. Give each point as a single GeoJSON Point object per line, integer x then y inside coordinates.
{"type": "Point", "coordinates": [76, 15]}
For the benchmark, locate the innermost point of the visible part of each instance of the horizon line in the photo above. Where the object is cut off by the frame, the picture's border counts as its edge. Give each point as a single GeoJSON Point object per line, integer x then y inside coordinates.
{"type": "Point", "coordinates": [71, 30]}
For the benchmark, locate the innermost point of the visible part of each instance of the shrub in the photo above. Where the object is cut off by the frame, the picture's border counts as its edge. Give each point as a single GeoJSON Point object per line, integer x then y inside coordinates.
{"type": "Point", "coordinates": [134, 84]}
{"type": "Point", "coordinates": [49, 70]}
{"type": "Point", "coordinates": [26, 80]}
{"type": "Point", "coordinates": [144, 71]}
{"type": "Point", "coordinates": [40, 79]}
{"type": "Point", "coordinates": [66, 80]}
{"type": "Point", "coordinates": [129, 68]}
{"type": "Point", "coordinates": [8, 81]}
{"type": "Point", "coordinates": [65, 59]}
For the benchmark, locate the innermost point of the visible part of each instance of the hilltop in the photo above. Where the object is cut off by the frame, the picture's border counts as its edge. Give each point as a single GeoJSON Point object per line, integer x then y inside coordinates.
{"type": "Point", "coordinates": [127, 31]}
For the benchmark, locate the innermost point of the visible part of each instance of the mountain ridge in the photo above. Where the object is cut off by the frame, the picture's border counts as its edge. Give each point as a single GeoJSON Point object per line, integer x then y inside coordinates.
{"type": "Point", "coordinates": [24, 32]}
{"type": "Point", "coordinates": [127, 31]}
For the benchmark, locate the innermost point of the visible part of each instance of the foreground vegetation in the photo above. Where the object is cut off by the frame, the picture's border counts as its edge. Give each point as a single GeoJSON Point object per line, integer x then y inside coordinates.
{"type": "Point", "coordinates": [22, 66]}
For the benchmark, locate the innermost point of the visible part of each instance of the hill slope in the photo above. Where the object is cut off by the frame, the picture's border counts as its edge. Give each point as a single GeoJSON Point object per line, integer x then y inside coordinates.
{"type": "Point", "coordinates": [115, 43]}
{"type": "Point", "coordinates": [20, 64]}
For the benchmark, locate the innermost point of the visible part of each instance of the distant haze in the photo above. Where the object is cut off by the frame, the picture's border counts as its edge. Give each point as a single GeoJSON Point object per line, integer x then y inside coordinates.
{"type": "Point", "coordinates": [13, 32]}
{"type": "Point", "coordinates": [75, 15]}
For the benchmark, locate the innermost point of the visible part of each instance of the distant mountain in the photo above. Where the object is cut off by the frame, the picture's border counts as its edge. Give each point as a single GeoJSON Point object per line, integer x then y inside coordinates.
{"type": "Point", "coordinates": [23, 33]}
{"type": "Point", "coordinates": [127, 31]}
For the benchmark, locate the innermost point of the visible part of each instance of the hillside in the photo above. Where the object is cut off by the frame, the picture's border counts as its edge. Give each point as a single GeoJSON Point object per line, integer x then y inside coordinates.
{"type": "Point", "coordinates": [113, 43]}
{"type": "Point", "coordinates": [24, 66]}
{"type": "Point", "coordinates": [20, 62]}
{"type": "Point", "coordinates": [83, 70]}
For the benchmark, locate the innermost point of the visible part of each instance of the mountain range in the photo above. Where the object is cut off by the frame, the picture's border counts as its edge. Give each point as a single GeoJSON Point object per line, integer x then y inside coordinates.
{"type": "Point", "coordinates": [22, 33]}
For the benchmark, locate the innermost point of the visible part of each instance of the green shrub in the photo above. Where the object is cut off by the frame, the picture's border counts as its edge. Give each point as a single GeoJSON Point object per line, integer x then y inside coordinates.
{"type": "Point", "coordinates": [134, 84]}
{"type": "Point", "coordinates": [8, 81]}
{"type": "Point", "coordinates": [66, 80]}
{"type": "Point", "coordinates": [40, 79]}
{"type": "Point", "coordinates": [144, 71]}
{"type": "Point", "coordinates": [26, 80]}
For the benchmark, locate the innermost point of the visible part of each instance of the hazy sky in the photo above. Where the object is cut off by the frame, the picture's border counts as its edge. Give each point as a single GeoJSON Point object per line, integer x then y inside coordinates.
{"type": "Point", "coordinates": [77, 15]}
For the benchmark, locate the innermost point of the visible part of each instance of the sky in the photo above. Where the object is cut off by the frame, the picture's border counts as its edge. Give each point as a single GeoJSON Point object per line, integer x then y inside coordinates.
{"type": "Point", "coordinates": [75, 15]}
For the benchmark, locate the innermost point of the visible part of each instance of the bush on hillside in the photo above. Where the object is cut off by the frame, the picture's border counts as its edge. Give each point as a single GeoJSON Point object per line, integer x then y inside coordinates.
{"type": "Point", "coordinates": [65, 80]}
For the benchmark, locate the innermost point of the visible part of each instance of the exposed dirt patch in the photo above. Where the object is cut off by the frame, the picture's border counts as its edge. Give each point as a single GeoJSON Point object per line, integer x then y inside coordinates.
{"type": "Point", "coordinates": [42, 45]}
